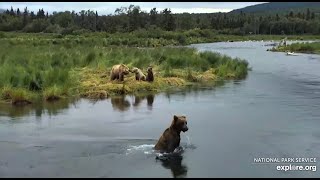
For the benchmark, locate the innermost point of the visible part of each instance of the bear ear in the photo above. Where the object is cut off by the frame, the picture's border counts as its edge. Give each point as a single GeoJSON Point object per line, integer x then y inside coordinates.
{"type": "Point", "coordinates": [175, 117]}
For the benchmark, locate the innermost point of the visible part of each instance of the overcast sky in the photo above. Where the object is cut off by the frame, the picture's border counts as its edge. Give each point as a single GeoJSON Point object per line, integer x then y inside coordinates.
{"type": "Point", "coordinates": [105, 8]}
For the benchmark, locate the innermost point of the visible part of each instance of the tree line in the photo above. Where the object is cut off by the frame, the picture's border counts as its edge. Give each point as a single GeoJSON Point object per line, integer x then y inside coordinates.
{"type": "Point", "coordinates": [132, 18]}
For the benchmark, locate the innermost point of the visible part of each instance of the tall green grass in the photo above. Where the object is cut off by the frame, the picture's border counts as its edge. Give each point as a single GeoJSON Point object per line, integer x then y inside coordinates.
{"type": "Point", "coordinates": [45, 64]}
{"type": "Point", "coordinates": [139, 38]}
{"type": "Point", "coordinates": [303, 47]}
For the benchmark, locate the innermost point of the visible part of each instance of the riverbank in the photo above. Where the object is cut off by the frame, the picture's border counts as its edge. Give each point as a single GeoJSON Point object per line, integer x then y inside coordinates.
{"type": "Point", "coordinates": [140, 38]}
{"type": "Point", "coordinates": [33, 68]}
{"type": "Point", "coordinates": [309, 48]}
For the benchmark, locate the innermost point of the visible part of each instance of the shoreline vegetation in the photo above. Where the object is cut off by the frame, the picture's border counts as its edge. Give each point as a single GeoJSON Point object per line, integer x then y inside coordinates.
{"type": "Point", "coordinates": [47, 66]}
{"type": "Point", "coordinates": [141, 38]}
{"type": "Point", "coordinates": [43, 67]}
{"type": "Point", "coordinates": [302, 47]}
{"type": "Point", "coordinates": [70, 54]}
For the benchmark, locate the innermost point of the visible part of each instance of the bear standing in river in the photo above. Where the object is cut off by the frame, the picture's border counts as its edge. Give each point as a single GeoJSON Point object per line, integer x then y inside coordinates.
{"type": "Point", "coordinates": [149, 77]}
{"type": "Point", "coordinates": [118, 71]}
{"type": "Point", "coordinates": [170, 139]}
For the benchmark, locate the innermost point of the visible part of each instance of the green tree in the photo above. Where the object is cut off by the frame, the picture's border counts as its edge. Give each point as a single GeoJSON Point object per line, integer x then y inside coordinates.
{"type": "Point", "coordinates": [308, 14]}
{"type": "Point", "coordinates": [63, 19]}
{"type": "Point", "coordinates": [278, 18]}
{"type": "Point", "coordinates": [12, 12]}
{"type": "Point", "coordinates": [313, 15]}
{"type": "Point", "coordinates": [134, 17]}
{"type": "Point", "coordinates": [96, 21]}
{"type": "Point", "coordinates": [25, 17]}
{"type": "Point", "coordinates": [291, 14]}
{"type": "Point", "coordinates": [18, 12]}
{"type": "Point", "coordinates": [153, 16]}
{"type": "Point", "coordinates": [168, 21]}
{"type": "Point", "coordinates": [184, 21]}
{"type": "Point", "coordinates": [41, 14]}
{"type": "Point", "coordinates": [32, 15]}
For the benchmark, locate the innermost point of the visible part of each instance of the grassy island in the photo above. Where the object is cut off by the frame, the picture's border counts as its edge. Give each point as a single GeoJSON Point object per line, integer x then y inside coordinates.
{"type": "Point", "coordinates": [303, 47]}
{"type": "Point", "coordinates": [42, 66]}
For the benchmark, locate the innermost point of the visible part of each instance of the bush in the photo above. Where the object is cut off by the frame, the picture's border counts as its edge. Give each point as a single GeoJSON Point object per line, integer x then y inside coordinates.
{"type": "Point", "coordinates": [182, 39]}
{"type": "Point", "coordinates": [67, 31]}
{"type": "Point", "coordinates": [37, 25]}
{"type": "Point", "coordinates": [2, 35]}
{"type": "Point", "coordinates": [53, 29]}
{"type": "Point", "coordinates": [80, 31]}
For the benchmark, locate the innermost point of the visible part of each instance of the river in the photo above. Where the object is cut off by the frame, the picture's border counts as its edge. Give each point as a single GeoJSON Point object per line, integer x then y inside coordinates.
{"type": "Point", "coordinates": [273, 113]}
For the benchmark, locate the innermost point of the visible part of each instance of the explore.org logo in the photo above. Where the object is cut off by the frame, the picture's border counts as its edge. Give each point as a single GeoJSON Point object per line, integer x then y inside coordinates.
{"type": "Point", "coordinates": [285, 164]}
{"type": "Point", "coordinates": [284, 160]}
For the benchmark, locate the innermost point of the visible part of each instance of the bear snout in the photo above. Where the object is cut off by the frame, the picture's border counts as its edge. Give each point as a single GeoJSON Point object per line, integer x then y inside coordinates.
{"type": "Point", "coordinates": [185, 129]}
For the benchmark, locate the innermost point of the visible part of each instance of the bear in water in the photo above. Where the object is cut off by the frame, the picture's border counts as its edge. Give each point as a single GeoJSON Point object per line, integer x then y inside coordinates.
{"type": "Point", "coordinates": [170, 139]}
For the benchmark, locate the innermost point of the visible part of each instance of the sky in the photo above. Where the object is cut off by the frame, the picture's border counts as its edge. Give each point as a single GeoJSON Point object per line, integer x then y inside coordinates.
{"type": "Point", "coordinates": [105, 8]}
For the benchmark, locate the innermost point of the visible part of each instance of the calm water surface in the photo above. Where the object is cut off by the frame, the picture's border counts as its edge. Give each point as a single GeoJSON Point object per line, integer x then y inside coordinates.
{"type": "Point", "coordinates": [274, 112]}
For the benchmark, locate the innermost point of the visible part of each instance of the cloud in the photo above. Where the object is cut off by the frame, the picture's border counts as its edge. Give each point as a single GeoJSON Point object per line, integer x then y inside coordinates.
{"type": "Point", "coordinates": [109, 7]}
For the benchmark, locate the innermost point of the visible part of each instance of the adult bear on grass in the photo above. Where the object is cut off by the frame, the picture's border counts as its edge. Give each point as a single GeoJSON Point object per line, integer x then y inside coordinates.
{"type": "Point", "coordinates": [139, 74]}
{"type": "Point", "coordinates": [118, 71]}
{"type": "Point", "coordinates": [170, 139]}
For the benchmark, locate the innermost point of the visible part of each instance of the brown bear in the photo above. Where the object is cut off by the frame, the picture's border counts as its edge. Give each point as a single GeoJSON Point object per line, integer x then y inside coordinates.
{"type": "Point", "coordinates": [139, 74]}
{"type": "Point", "coordinates": [149, 77]}
{"type": "Point", "coordinates": [118, 71]}
{"type": "Point", "coordinates": [170, 139]}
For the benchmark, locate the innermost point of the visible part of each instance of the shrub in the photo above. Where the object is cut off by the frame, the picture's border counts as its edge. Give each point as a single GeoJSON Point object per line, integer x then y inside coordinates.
{"type": "Point", "coordinates": [53, 29]}
{"type": "Point", "coordinates": [182, 39]}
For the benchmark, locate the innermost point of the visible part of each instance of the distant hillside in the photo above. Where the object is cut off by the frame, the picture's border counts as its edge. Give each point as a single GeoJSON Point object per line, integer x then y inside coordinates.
{"type": "Point", "coordinates": [2, 10]}
{"type": "Point", "coordinates": [278, 6]}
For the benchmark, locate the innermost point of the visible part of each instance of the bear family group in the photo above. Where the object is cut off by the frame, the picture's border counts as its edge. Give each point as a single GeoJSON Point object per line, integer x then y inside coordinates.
{"type": "Point", "coordinates": [120, 70]}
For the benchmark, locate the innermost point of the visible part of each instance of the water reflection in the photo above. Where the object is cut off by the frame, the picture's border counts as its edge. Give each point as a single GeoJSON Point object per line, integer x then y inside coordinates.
{"type": "Point", "coordinates": [150, 99]}
{"type": "Point", "coordinates": [139, 98]}
{"type": "Point", "coordinates": [178, 169]}
{"type": "Point", "coordinates": [195, 90]}
{"type": "Point", "coordinates": [120, 103]}
{"type": "Point", "coordinates": [38, 108]}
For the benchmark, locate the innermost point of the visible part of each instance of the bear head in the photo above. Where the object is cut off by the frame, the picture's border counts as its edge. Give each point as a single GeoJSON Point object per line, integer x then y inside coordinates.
{"type": "Point", "coordinates": [179, 123]}
{"type": "Point", "coordinates": [149, 69]}
{"type": "Point", "coordinates": [125, 70]}
{"type": "Point", "coordinates": [134, 70]}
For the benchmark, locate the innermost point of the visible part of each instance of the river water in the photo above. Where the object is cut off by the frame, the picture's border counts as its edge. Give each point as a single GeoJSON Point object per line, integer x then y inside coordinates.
{"type": "Point", "coordinates": [273, 113]}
